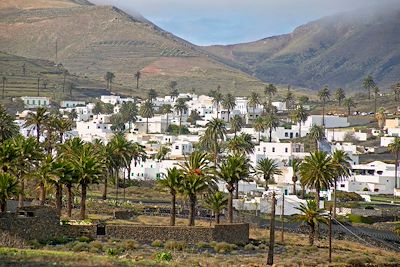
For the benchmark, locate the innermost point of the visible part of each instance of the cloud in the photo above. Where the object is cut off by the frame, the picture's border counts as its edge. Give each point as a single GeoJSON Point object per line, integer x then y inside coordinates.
{"type": "Point", "coordinates": [232, 21]}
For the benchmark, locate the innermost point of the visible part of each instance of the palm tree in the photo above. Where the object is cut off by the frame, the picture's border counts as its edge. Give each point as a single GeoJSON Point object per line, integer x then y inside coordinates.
{"type": "Point", "coordinates": [253, 101]}
{"type": "Point", "coordinates": [317, 171]}
{"type": "Point", "coordinates": [4, 79]}
{"type": "Point", "coordinates": [8, 127]}
{"type": "Point", "coordinates": [259, 126]}
{"type": "Point", "coordinates": [289, 98]}
{"type": "Point", "coordinates": [172, 181]}
{"type": "Point", "coordinates": [196, 179]}
{"type": "Point", "coordinates": [340, 95]}
{"type": "Point", "coordinates": [341, 163]}
{"type": "Point", "coordinates": [109, 77]}
{"type": "Point", "coordinates": [381, 117]}
{"type": "Point", "coordinates": [241, 144]}
{"type": "Point", "coordinates": [88, 168]}
{"type": "Point", "coordinates": [295, 164]}
{"type": "Point", "coordinates": [166, 109]}
{"type": "Point", "coordinates": [8, 189]}
{"type": "Point", "coordinates": [215, 134]}
{"type": "Point", "coordinates": [317, 133]}
{"type": "Point", "coordinates": [216, 202]}
{"type": "Point", "coordinates": [271, 122]}
{"type": "Point", "coordinates": [137, 76]}
{"type": "Point", "coordinates": [152, 95]}
{"type": "Point", "coordinates": [129, 113]}
{"type": "Point", "coordinates": [181, 107]}
{"type": "Point", "coordinates": [236, 124]}
{"type": "Point", "coordinates": [37, 119]}
{"type": "Point", "coordinates": [231, 171]}
{"type": "Point", "coordinates": [311, 215]}
{"type": "Point", "coordinates": [229, 103]}
{"type": "Point", "coordinates": [270, 90]}
{"type": "Point", "coordinates": [376, 92]}
{"type": "Point", "coordinates": [300, 116]}
{"type": "Point", "coordinates": [324, 95]}
{"type": "Point", "coordinates": [394, 147]}
{"type": "Point", "coordinates": [267, 168]}
{"type": "Point", "coordinates": [368, 84]}
{"type": "Point", "coordinates": [162, 153]}
{"type": "Point", "coordinates": [217, 100]}
{"type": "Point", "coordinates": [147, 111]}
{"type": "Point", "coordinates": [61, 127]}
{"type": "Point", "coordinates": [349, 103]}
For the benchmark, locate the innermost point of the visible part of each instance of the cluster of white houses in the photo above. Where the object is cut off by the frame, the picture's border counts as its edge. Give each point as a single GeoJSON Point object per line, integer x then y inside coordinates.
{"type": "Point", "coordinates": [372, 178]}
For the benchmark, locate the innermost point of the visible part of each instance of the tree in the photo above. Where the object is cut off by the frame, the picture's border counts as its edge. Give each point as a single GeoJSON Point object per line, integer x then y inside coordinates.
{"type": "Point", "coordinates": [215, 134]}
{"type": "Point", "coordinates": [217, 100]}
{"type": "Point", "coordinates": [109, 77]}
{"type": "Point", "coordinates": [216, 202]}
{"type": "Point", "coordinates": [137, 76]}
{"type": "Point", "coordinates": [295, 164]}
{"type": "Point", "coordinates": [368, 84]}
{"type": "Point", "coordinates": [4, 80]}
{"type": "Point", "coordinates": [172, 181]}
{"type": "Point", "coordinates": [317, 133]}
{"type": "Point", "coordinates": [381, 117]}
{"type": "Point", "coordinates": [146, 111]}
{"type": "Point", "coordinates": [259, 126]}
{"type": "Point", "coordinates": [271, 123]}
{"type": "Point", "coordinates": [8, 189]}
{"type": "Point", "coordinates": [44, 174]}
{"type": "Point", "coordinates": [229, 103]}
{"type": "Point", "coordinates": [317, 171]}
{"type": "Point", "coordinates": [270, 90]}
{"type": "Point", "coordinates": [62, 126]}
{"type": "Point", "coordinates": [196, 179]}
{"type": "Point", "coordinates": [394, 148]}
{"type": "Point", "coordinates": [117, 122]}
{"type": "Point", "coordinates": [376, 93]}
{"type": "Point", "coordinates": [241, 144]}
{"type": "Point", "coordinates": [300, 116]}
{"type": "Point", "coordinates": [88, 168]}
{"type": "Point", "coordinates": [324, 95]}
{"type": "Point", "coordinates": [311, 215]}
{"type": "Point", "coordinates": [162, 153]}
{"type": "Point", "coordinates": [172, 89]}
{"type": "Point", "coordinates": [129, 113]}
{"type": "Point", "coordinates": [303, 99]}
{"type": "Point", "coordinates": [181, 107]}
{"type": "Point", "coordinates": [193, 117]}
{"type": "Point", "coordinates": [231, 171]}
{"type": "Point", "coordinates": [166, 109]}
{"type": "Point", "coordinates": [236, 123]}
{"type": "Point", "coordinates": [340, 95]}
{"type": "Point", "coordinates": [396, 90]}
{"type": "Point", "coordinates": [8, 127]}
{"type": "Point", "coordinates": [349, 103]}
{"type": "Point", "coordinates": [37, 119]}
{"type": "Point", "coordinates": [98, 108]}
{"type": "Point", "coordinates": [267, 168]}
{"type": "Point", "coordinates": [341, 164]}
{"type": "Point", "coordinates": [152, 95]}
{"type": "Point", "coordinates": [253, 101]}
{"type": "Point", "coordinates": [289, 98]}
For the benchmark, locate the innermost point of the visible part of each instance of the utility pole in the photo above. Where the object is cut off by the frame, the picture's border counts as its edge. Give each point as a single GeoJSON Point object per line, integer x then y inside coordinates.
{"type": "Point", "coordinates": [283, 218]}
{"type": "Point", "coordinates": [330, 234]}
{"type": "Point", "coordinates": [270, 259]}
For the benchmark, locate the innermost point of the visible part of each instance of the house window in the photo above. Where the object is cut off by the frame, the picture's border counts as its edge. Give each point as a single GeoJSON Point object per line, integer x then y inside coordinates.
{"type": "Point", "coordinates": [297, 134]}
{"type": "Point", "coordinates": [273, 149]}
{"type": "Point", "coordinates": [176, 147]}
{"type": "Point", "coordinates": [286, 150]}
{"type": "Point", "coordinates": [265, 149]}
{"type": "Point", "coordinates": [286, 134]}
{"type": "Point", "coordinates": [342, 185]}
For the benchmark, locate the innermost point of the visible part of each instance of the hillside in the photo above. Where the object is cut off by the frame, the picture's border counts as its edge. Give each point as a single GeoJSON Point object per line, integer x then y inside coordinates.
{"type": "Point", "coordinates": [92, 40]}
{"type": "Point", "coordinates": [339, 51]}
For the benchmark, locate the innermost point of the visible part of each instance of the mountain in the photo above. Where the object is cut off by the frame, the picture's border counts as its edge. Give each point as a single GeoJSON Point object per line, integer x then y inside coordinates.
{"type": "Point", "coordinates": [338, 51]}
{"type": "Point", "coordinates": [92, 40]}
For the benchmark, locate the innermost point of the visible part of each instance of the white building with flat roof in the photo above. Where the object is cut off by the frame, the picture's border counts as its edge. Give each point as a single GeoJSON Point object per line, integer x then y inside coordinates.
{"type": "Point", "coordinates": [35, 101]}
{"type": "Point", "coordinates": [330, 121]}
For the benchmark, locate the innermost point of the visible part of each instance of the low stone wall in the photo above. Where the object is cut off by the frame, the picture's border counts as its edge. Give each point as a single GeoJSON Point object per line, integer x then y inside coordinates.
{"type": "Point", "coordinates": [231, 233]}
{"type": "Point", "coordinates": [75, 231]}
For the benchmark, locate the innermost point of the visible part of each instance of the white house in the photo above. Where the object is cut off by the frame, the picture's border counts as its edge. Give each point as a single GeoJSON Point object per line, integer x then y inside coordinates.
{"type": "Point", "coordinates": [110, 99]}
{"type": "Point", "coordinates": [181, 148]}
{"type": "Point", "coordinates": [281, 152]}
{"type": "Point", "coordinates": [342, 134]}
{"type": "Point", "coordinates": [35, 101]}
{"type": "Point", "coordinates": [330, 121]}
{"type": "Point", "coordinates": [71, 103]}
{"type": "Point", "coordinates": [98, 128]}
{"type": "Point", "coordinates": [386, 140]}
{"type": "Point", "coordinates": [151, 169]}
{"type": "Point", "coordinates": [156, 124]}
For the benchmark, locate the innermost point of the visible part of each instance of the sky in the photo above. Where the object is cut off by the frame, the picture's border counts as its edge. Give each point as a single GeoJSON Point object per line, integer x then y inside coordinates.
{"type": "Point", "coordinates": [207, 22]}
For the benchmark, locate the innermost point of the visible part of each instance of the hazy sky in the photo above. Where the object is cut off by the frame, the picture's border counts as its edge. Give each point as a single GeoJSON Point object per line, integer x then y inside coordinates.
{"type": "Point", "coordinates": [205, 22]}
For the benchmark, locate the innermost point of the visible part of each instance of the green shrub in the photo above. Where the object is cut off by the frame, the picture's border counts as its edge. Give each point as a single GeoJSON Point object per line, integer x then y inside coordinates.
{"type": "Point", "coordinates": [95, 247]}
{"type": "Point", "coordinates": [348, 196]}
{"type": "Point", "coordinates": [163, 256]}
{"type": "Point", "coordinates": [262, 246]}
{"type": "Point", "coordinates": [114, 251]}
{"type": "Point", "coordinates": [34, 244]}
{"type": "Point", "coordinates": [175, 245]}
{"type": "Point", "coordinates": [202, 245]}
{"type": "Point", "coordinates": [157, 243]}
{"type": "Point", "coordinates": [360, 219]}
{"type": "Point", "coordinates": [359, 261]}
{"type": "Point", "coordinates": [85, 239]}
{"type": "Point", "coordinates": [80, 246]}
{"type": "Point", "coordinates": [249, 247]}
{"type": "Point", "coordinates": [224, 247]}
{"type": "Point", "coordinates": [130, 245]}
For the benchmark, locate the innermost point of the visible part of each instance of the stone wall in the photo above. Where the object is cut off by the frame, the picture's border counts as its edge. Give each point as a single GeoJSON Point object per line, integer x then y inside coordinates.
{"type": "Point", "coordinates": [231, 233]}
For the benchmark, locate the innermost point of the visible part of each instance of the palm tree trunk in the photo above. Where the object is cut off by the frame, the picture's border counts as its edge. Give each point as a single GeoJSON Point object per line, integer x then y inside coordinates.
{"type": "Point", "coordinates": [116, 186]}
{"type": "Point", "coordinates": [348, 111]}
{"type": "Point", "coordinates": [266, 182]}
{"type": "Point", "coordinates": [230, 206]}
{"type": "Point", "coordinates": [83, 201]}
{"type": "Point", "coordinates": [323, 113]}
{"type": "Point", "coordinates": [303, 191]}
{"type": "Point", "coordinates": [173, 210]}
{"type": "Point", "coordinates": [37, 132]}
{"type": "Point", "coordinates": [147, 125]}
{"type": "Point", "coordinates": [180, 122]}
{"type": "Point", "coordinates": [237, 190]}
{"type": "Point", "coordinates": [229, 113]}
{"type": "Point", "coordinates": [395, 170]}
{"type": "Point", "coordinates": [311, 235]}
{"type": "Point", "coordinates": [299, 128]}
{"type": "Point", "coordinates": [192, 209]}
{"type": "Point", "coordinates": [259, 137]}
{"type": "Point", "coordinates": [334, 199]}
{"type": "Point", "coordinates": [217, 216]}
{"type": "Point", "coordinates": [167, 122]}
{"type": "Point", "coordinates": [253, 113]}
{"type": "Point", "coordinates": [42, 194]}
{"type": "Point", "coordinates": [294, 187]}
{"type": "Point", "coordinates": [69, 200]}
{"type": "Point", "coordinates": [270, 134]}
{"type": "Point", "coordinates": [217, 110]}
{"type": "Point", "coordinates": [105, 186]}
{"type": "Point", "coordinates": [21, 193]}
{"type": "Point", "coordinates": [58, 199]}
{"type": "Point", "coordinates": [317, 196]}
{"type": "Point", "coordinates": [3, 205]}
